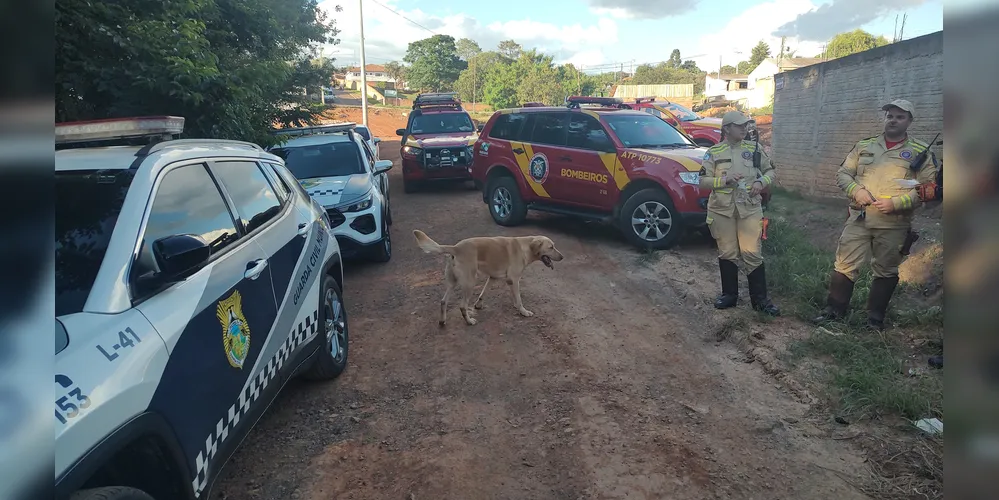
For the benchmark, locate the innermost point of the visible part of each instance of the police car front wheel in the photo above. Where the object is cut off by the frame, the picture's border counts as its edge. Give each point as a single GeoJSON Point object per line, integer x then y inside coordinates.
{"type": "Point", "coordinates": [111, 493]}
{"type": "Point", "coordinates": [649, 220]}
{"type": "Point", "coordinates": [331, 359]}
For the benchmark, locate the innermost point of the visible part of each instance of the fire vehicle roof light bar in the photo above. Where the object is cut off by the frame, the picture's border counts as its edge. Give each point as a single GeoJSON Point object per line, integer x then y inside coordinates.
{"type": "Point", "coordinates": [111, 129]}
{"type": "Point", "coordinates": [639, 100]}
{"type": "Point", "coordinates": [575, 101]}
{"type": "Point", "coordinates": [315, 129]}
{"type": "Point", "coordinates": [532, 104]}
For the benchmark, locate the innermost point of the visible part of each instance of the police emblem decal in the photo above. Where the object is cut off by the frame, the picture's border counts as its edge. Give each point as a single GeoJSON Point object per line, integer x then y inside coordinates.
{"type": "Point", "coordinates": [746, 155]}
{"type": "Point", "coordinates": [905, 154]}
{"type": "Point", "coordinates": [539, 168]}
{"type": "Point", "coordinates": [235, 329]}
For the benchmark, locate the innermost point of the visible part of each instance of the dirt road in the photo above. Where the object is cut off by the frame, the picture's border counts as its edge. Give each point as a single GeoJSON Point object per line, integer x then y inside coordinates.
{"type": "Point", "coordinates": [616, 388]}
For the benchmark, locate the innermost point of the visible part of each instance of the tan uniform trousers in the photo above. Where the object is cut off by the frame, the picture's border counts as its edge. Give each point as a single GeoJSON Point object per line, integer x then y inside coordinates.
{"type": "Point", "coordinates": [858, 243]}
{"type": "Point", "coordinates": [738, 238]}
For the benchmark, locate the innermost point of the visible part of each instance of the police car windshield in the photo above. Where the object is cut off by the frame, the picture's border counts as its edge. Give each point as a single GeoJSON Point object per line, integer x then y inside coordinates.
{"type": "Point", "coordinates": [645, 131]}
{"type": "Point", "coordinates": [683, 114]}
{"type": "Point", "coordinates": [441, 123]}
{"type": "Point", "coordinates": [322, 160]}
{"type": "Point", "coordinates": [86, 210]}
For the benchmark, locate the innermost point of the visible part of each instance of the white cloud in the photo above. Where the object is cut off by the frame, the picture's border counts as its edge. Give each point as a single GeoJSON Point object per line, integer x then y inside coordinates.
{"type": "Point", "coordinates": [645, 9]}
{"type": "Point", "coordinates": [746, 29]}
{"type": "Point", "coordinates": [387, 35]}
{"type": "Point", "coordinates": [840, 15]}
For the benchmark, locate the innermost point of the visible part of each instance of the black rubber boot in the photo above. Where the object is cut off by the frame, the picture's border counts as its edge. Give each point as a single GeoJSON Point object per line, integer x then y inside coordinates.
{"type": "Point", "coordinates": [758, 292]}
{"type": "Point", "coordinates": [877, 301]}
{"type": "Point", "coordinates": [840, 292]}
{"type": "Point", "coordinates": [730, 284]}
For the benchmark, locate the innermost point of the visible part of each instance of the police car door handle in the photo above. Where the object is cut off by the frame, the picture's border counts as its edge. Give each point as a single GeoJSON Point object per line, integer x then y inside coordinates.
{"type": "Point", "coordinates": [254, 268]}
{"type": "Point", "coordinates": [518, 150]}
{"type": "Point", "coordinates": [304, 228]}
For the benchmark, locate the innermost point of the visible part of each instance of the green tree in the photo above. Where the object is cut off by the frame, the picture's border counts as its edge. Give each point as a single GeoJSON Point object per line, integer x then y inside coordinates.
{"type": "Point", "coordinates": [852, 42]}
{"type": "Point", "coordinates": [744, 68]}
{"type": "Point", "coordinates": [396, 71]}
{"type": "Point", "coordinates": [759, 54]}
{"type": "Point", "coordinates": [649, 74]}
{"type": "Point", "coordinates": [472, 80]}
{"type": "Point", "coordinates": [689, 65]}
{"type": "Point", "coordinates": [674, 59]}
{"type": "Point", "coordinates": [433, 63]}
{"type": "Point", "coordinates": [728, 70]}
{"type": "Point", "coordinates": [509, 49]}
{"type": "Point", "coordinates": [500, 87]}
{"type": "Point", "coordinates": [466, 48]}
{"type": "Point", "coordinates": [231, 67]}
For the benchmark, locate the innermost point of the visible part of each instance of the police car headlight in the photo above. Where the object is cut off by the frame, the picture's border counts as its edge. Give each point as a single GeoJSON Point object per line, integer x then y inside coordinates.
{"type": "Point", "coordinates": [357, 206]}
{"type": "Point", "coordinates": [690, 177]}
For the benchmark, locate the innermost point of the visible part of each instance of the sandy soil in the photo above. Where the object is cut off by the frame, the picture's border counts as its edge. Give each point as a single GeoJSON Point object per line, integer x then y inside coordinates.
{"type": "Point", "coordinates": [618, 387]}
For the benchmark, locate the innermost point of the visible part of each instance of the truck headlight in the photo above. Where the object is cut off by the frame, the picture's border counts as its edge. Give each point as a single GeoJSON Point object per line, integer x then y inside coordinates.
{"type": "Point", "coordinates": [412, 150]}
{"type": "Point", "coordinates": [690, 177]}
{"type": "Point", "coordinates": [357, 206]}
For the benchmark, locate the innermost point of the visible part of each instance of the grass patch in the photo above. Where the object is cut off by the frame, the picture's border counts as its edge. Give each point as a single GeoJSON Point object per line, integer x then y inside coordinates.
{"type": "Point", "coordinates": [867, 371]}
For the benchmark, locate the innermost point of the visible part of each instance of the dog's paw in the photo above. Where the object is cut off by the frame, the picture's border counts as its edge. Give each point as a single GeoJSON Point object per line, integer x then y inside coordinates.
{"type": "Point", "coordinates": [525, 313]}
{"type": "Point", "coordinates": [471, 321]}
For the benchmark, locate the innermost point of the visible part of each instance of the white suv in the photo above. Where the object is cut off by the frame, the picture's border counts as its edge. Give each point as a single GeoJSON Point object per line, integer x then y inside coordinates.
{"type": "Point", "coordinates": [335, 166]}
{"type": "Point", "coordinates": [194, 278]}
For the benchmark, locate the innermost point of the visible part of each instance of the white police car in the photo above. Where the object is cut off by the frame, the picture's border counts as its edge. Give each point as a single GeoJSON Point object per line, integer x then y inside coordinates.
{"type": "Point", "coordinates": [194, 278]}
{"type": "Point", "coordinates": [335, 166]}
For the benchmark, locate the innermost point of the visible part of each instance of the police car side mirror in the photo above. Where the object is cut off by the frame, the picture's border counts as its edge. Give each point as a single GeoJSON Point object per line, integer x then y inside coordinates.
{"type": "Point", "coordinates": [377, 140]}
{"type": "Point", "coordinates": [382, 166]}
{"type": "Point", "coordinates": [180, 254]}
{"type": "Point", "coordinates": [400, 131]}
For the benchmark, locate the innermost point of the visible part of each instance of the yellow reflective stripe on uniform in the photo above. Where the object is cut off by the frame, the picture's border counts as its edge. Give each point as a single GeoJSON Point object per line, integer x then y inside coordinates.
{"type": "Point", "coordinates": [766, 180]}
{"type": "Point", "coordinates": [718, 148]}
{"type": "Point", "coordinates": [851, 188]}
{"type": "Point", "coordinates": [725, 191]}
{"type": "Point", "coordinates": [524, 162]}
{"type": "Point", "coordinates": [614, 168]}
{"type": "Point", "coordinates": [906, 201]}
{"type": "Point", "coordinates": [717, 182]}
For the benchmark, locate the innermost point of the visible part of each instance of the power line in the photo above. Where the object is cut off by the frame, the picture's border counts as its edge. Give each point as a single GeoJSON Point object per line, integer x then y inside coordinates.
{"type": "Point", "coordinates": [404, 17]}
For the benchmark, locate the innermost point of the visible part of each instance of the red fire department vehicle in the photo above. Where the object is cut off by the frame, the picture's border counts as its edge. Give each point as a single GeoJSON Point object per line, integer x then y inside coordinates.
{"type": "Point", "coordinates": [437, 141]}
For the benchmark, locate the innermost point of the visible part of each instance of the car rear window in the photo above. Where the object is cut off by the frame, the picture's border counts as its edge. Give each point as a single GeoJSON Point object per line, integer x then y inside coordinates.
{"type": "Point", "coordinates": [86, 211]}
{"type": "Point", "coordinates": [322, 160]}
{"type": "Point", "coordinates": [644, 130]}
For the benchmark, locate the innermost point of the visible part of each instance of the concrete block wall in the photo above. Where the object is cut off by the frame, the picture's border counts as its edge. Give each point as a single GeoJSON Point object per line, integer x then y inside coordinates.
{"type": "Point", "coordinates": [824, 109]}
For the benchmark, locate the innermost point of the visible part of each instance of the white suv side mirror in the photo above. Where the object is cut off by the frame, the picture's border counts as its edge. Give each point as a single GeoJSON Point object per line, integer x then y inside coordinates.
{"type": "Point", "coordinates": [377, 140]}
{"type": "Point", "coordinates": [382, 166]}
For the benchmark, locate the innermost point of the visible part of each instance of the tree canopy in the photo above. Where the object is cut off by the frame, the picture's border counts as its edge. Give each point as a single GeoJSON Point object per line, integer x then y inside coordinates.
{"type": "Point", "coordinates": [232, 68]}
{"type": "Point", "coordinates": [434, 64]}
{"type": "Point", "coordinates": [852, 42]}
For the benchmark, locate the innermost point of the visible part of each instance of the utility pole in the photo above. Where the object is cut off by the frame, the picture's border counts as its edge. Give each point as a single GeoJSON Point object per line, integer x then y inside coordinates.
{"type": "Point", "coordinates": [473, 83]}
{"type": "Point", "coordinates": [364, 68]}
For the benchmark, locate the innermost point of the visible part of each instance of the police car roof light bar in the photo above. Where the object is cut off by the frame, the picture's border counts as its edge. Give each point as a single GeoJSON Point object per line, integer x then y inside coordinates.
{"type": "Point", "coordinates": [315, 129]}
{"type": "Point", "coordinates": [111, 129]}
{"type": "Point", "coordinates": [576, 100]}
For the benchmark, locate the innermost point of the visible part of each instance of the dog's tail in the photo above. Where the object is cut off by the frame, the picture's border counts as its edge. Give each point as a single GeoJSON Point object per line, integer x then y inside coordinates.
{"type": "Point", "coordinates": [430, 246]}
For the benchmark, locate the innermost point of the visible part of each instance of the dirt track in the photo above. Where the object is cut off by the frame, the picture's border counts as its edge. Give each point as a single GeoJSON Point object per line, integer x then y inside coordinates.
{"type": "Point", "coordinates": [616, 388]}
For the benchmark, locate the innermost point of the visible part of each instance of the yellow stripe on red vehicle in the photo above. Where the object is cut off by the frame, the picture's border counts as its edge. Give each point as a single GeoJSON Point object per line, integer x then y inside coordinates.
{"type": "Point", "coordinates": [524, 162]}
{"type": "Point", "coordinates": [615, 169]}
{"type": "Point", "coordinates": [687, 163]}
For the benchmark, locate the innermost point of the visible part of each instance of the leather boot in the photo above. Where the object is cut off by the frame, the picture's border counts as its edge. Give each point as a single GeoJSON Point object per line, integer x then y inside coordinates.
{"type": "Point", "coordinates": [730, 284]}
{"type": "Point", "coordinates": [758, 292]}
{"type": "Point", "coordinates": [840, 292]}
{"type": "Point", "coordinates": [882, 290]}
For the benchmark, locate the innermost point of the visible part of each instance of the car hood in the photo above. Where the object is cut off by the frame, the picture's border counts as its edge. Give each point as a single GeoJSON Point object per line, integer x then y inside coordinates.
{"type": "Point", "coordinates": [688, 158]}
{"type": "Point", "coordinates": [439, 141]}
{"type": "Point", "coordinates": [707, 122]}
{"type": "Point", "coordinates": [332, 191]}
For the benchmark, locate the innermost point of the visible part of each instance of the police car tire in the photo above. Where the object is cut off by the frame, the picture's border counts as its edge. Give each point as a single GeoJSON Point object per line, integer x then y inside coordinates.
{"type": "Point", "coordinates": [111, 493]}
{"type": "Point", "coordinates": [379, 253]}
{"type": "Point", "coordinates": [644, 196]}
{"type": "Point", "coordinates": [324, 367]}
{"type": "Point", "coordinates": [518, 211]}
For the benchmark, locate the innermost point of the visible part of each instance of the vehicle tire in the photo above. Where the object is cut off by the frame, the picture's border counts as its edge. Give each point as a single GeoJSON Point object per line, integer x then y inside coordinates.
{"type": "Point", "coordinates": [388, 212]}
{"type": "Point", "coordinates": [111, 493]}
{"type": "Point", "coordinates": [646, 212]}
{"type": "Point", "coordinates": [331, 359]}
{"type": "Point", "coordinates": [505, 204]}
{"type": "Point", "coordinates": [704, 143]}
{"type": "Point", "coordinates": [382, 252]}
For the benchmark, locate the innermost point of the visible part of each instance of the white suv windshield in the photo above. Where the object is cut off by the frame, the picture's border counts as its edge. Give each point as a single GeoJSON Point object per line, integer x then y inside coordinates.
{"type": "Point", "coordinates": [322, 160]}
{"type": "Point", "coordinates": [86, 210]}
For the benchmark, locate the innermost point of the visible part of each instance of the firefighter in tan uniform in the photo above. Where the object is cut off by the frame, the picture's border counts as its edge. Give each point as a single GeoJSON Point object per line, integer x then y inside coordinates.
{"type": "Point", "coordinates": [881, 210]}
{"type": "Point", "coordinates": [735, 212]}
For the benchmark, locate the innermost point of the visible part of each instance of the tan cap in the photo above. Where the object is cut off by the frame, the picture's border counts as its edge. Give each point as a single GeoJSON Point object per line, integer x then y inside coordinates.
{"type": "Point", "coordinates": [901, 104]}
{"type": "Point", "coordinates": [734, 117]}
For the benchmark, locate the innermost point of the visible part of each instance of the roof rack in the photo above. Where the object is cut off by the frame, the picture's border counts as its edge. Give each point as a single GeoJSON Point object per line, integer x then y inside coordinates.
{"type": "Point", "coordinates": [573, 102]}
{"type": "Point", "coordinates": [437, 100]}
{"type": "Point", "coordinates": [159, 146]}
{"type": "Point", "coordinates": [118, 131]}
{"type": "Point", "coordinates": [314, 129]}
{"type": "Point", "coordinates": [533, 104]}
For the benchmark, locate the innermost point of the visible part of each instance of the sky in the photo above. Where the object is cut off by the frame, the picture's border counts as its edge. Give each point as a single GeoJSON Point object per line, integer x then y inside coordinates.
{"type": "Point", "coordinates": [601, 35]}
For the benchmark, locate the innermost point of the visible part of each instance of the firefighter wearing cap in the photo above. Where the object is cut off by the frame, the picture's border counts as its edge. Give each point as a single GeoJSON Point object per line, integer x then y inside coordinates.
{"type": "Point", "coordinates": [735, 212]}
{"type": "Point", "coordinates": [881, 212]}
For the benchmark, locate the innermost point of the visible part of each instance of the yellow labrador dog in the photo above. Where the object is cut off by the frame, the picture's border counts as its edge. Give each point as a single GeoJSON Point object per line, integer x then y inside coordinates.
{"type": "Point", "coordinates": [500, 257]}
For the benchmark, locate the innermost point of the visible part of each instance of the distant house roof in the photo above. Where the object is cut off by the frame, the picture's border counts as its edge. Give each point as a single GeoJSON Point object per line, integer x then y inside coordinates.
{"type": "Point", "coordinates": [729, 76]}
{"type": "Point", "coordinates": [798, 62]}
{"type": "Point", "coordinates": [371, 68]}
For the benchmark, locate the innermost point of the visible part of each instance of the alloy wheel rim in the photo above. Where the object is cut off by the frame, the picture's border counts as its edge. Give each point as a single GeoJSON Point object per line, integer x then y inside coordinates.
{"type": "Point", "coordinates": [651, 221]}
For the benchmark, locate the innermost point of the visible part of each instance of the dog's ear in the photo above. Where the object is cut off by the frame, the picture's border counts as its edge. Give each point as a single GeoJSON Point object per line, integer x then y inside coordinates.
{"type": "Point", "coordinates": [536, 245]}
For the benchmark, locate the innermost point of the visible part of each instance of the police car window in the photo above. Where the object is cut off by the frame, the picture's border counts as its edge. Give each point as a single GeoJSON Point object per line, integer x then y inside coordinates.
{"type": "Point", "coordinates": [585, 132]}
{"type": "Point", "coordinates": [643, 130]}
{"type": "Point", "coordinates": [550, 128]}
{"type": "Point", "coordinates": [255, 200]}
{"type": "Point", "coordinates": [186, 202]}
{"type": "Point", "coordinates": [322, 160]}
{"type": "Point", "coordinates": [369, 156]}
{"type": "Point", "coordinates": [87, 205]}
{"type": "Point", "coordinates": [363, 133]}
{"type": "Point", "coordinates": [506, 127]}
{"type": "Point", "coordinates": [280, 187]}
